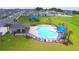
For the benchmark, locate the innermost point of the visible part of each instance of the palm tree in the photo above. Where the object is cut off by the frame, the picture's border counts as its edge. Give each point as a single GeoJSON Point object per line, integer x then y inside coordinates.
{"type": "Point", "coordinates": [65, 35]}
{"type": "Point", "coordinates": [27, 30]}
{"type": "Point", "coordinates": [69, 34]}
{"type": "Point", "coordinates": [63, 24]}
{"type": "Point", "coordinates": [67, 38]}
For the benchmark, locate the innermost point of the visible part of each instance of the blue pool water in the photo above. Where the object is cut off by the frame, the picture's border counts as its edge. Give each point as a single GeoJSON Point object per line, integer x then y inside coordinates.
{"type": "Point", "coordinates": [44, 32]}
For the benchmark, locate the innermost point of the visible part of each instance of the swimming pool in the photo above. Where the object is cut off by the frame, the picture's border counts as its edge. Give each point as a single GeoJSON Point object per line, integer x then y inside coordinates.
{"type": "Point", "coordinates": [44, 32]}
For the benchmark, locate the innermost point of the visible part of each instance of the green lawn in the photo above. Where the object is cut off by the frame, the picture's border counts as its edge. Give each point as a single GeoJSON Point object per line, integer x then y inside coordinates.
{"type": "Point", "coordinates": [22, 43]}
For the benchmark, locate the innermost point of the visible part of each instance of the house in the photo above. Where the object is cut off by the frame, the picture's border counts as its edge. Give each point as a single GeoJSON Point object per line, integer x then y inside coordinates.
{"type": "Point", "coordinates": [19, 28]}
{"type": "Point", "coordinates": [3, 30]}
{"type": "Point", "coordinates": [50, 13]}
{"type": "Point", "coordinates": [40, 13]}
{"type": "Point", "coordinates": [46, 13]}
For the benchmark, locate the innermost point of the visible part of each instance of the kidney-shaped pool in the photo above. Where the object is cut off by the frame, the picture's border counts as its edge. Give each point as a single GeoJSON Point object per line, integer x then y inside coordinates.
{"type": "Point", "coordinates": [45, 32]}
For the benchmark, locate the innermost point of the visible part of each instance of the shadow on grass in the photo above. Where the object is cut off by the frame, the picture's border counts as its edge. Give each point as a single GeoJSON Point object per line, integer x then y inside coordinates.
{"type": "Point", "coordinates": [28, 37]}
{"type": "Point", "coordinates": [1, 38]}
{"type": "Point", "coordinates": [67, 40]}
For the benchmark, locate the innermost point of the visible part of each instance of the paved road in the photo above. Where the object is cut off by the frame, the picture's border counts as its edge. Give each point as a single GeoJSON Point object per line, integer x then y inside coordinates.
{"type": "Point", "coordinates": [10, 19]}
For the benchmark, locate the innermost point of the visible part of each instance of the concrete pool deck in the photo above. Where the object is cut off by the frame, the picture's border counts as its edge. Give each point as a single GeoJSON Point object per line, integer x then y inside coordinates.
{"type": "Point", "coordinates": [34, 34]}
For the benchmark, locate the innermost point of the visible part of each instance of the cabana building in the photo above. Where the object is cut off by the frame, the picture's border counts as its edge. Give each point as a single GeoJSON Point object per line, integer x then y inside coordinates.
{"type": "Point", "coordinates": [18, 29]}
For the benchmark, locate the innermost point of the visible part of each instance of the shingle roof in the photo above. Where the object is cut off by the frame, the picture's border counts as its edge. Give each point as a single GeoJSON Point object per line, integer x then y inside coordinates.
{"type": "Point", "coordinates": [0, 33]}
{"type": "Point", "coordinates": [5, 21]}
{"type": "Point", "coordinates": [8, 20]}
{"type": "Point", "coordinates": [17, 26]}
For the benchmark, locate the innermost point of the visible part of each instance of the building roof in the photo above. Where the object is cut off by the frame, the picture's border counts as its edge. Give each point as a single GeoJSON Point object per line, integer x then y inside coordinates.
{"type": "Point", "coordinates": [61, 29]}
{"type": "Point", "coordinates": [17, 26]}
{"type": "Point", "coordinates": [0, 33]}
{"type": "Point", "coordinates": [8, 20]}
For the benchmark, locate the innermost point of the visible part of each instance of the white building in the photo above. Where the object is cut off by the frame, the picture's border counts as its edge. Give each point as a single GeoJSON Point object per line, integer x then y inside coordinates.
{"type": "Point", "coordinates": [50, 13]}
{"type": "Point", "coordinates": [3, 30]}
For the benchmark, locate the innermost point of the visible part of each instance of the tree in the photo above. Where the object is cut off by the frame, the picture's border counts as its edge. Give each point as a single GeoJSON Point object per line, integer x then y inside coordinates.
{"type": "Point", "coordinates": [67, 38]}
{"type": "Point", "coordinates": [46, 9]}
{"type": "Point", "coordinates": [63, 24]}
{"type": "Point", "coordinates": [15, 20]}
{"type": "Point", "coordinates": [69, 33]}
{"type": "Point", "coordinates": [65, 35]}
{"type": "Point", "coordinates": [75, 12]}
{"type": "Point", "coordinates": [53, 9]}
{"type": "Point", "coordinates": [59, 10]}
{"type": "Point", "coordinates": [56, 9]}
{"type": "Point", "coordinates": [27, 27]}
{"type": "Point", "coordinates": [7, 25]}
{"type": "Point", "coordinates": [38, 8]}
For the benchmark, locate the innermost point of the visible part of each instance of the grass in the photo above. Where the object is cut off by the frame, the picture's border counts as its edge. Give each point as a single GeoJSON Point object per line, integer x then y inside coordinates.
{"type": "Point", "coordinates": [22, 43]}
